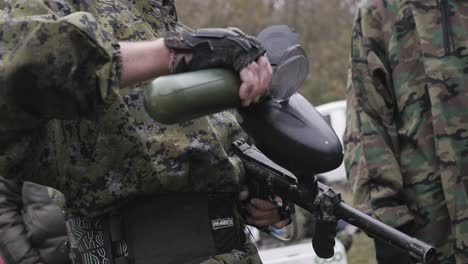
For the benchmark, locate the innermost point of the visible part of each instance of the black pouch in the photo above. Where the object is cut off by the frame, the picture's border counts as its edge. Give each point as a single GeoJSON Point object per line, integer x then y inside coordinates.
{"type": "Point", "coordinates": [181, 228]}
{"type": "Point", "coordinates": [226, 229]}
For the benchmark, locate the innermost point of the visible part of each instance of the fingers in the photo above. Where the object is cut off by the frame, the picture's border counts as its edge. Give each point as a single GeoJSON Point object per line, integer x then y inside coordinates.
{"type": "Point", "coordinates": [249, 87]}
{"type": "Point", "coordinates": [282, 223]}
{"type": "Point", "coordinates": [262, 213]}
{"type": "Point", "coordinates": [255, 79]}
{"type": "Point", "coordinates": [263, 205]}
{"type": "Point", "coordinates": [244, 193]}
{"type": "Point", "coordinates": [265, 74]}
{"type": "Point", "coordinates": [246, 87]}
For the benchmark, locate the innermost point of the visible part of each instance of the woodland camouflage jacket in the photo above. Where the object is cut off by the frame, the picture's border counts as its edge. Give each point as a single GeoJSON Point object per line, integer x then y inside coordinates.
{"type": "Point", "coordinates": [65, 123]}
{"type": "Point", "coordinates": [407, 132]}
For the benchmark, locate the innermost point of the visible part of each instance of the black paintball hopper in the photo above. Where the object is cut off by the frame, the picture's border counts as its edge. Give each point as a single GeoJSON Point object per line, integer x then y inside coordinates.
{"type": "Point", "coordinates": [288, 58]}
{"type": "Point", "coordinates": [294, 135]}
{"type": "Point", "coordinates": [290, 74]}
{"type": "Point", "coordinates": [276, 40]}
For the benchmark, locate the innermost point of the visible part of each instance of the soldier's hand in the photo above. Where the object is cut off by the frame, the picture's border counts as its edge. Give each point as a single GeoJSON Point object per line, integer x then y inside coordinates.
{"type": "Point", "coordinates": [256, 78]}
{"type": "Point", "coordinates": [222, 48]}
{"type": "Point", "coordinates": [228, 48]}
{"type": "Point", "coordinates": [262, 213]}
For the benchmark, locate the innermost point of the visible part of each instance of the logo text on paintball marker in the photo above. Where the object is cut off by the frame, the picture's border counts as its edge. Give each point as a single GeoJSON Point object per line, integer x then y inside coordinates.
{"type": "Point", "coordinates": [222, 223]}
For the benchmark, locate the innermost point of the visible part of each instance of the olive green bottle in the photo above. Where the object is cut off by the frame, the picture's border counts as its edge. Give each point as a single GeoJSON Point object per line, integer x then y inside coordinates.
{"type": "Point", "coordinates": [176, 98]}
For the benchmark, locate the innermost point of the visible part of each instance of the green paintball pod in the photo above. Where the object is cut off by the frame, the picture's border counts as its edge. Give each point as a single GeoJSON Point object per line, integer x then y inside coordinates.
{"type": "Point", "coordinates": [182, 97]}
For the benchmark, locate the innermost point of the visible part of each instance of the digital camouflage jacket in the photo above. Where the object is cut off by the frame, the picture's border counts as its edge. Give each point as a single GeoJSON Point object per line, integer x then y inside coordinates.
{"type": "Point", "coordinates": [65, 123]}
{"type": "Point", "coordinates": [407, 131]}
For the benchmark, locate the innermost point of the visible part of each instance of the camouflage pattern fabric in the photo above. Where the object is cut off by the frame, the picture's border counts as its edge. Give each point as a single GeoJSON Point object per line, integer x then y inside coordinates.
{"type": "Point", "coordinates": [407, 132]}
{"type": "Point", "coordinates": [57, 198]}
{"type": "Point", "coordinates": [65, 123]}
{"type": "Point", "coordinates": [249, 256]}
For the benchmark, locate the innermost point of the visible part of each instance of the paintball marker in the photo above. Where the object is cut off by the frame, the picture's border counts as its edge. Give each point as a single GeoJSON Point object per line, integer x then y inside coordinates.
{"type": "Point", "coordinates": [300, 145]}
{"type": "Point", "coordinates": [286, 128]}
{"type": "Point", "coordinates": [300, 140]}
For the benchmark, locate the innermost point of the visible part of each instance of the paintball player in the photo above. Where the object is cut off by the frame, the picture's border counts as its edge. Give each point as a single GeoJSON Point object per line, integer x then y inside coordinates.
{"type": "Point", "coordinates": [406, 143]}
{"type": "Point", "coordinates": [72, 75]}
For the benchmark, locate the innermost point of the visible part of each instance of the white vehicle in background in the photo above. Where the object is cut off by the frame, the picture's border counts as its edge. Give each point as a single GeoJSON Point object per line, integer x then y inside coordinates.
{"type": "Point", "coordinates": [302, 252]}
{"type": "Point", "coordinates": [335, 114]}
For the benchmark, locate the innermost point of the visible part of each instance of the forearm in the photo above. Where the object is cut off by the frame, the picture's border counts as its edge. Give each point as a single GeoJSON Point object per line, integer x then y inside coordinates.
{"type": "Point", "coordinates": [143, 61]}
{"type": "Point", "coordinates": [88, 76]}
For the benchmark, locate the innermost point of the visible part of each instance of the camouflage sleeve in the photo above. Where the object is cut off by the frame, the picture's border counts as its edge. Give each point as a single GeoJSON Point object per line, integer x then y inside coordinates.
{"type": "Point", "coordinates": [371, 138]}
{"type": "Point", "coordinates": [15, 246]}
{"type": "Point", "coordinates": [55, 66]}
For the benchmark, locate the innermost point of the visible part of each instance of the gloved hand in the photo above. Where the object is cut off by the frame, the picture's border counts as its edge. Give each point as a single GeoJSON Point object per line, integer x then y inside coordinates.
{"type": "Point", "coordinates": [213, 48]}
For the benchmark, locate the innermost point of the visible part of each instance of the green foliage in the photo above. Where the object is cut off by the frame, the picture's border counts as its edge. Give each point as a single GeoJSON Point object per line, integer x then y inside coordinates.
{"type": "Point", "coordinates": [324, 25]}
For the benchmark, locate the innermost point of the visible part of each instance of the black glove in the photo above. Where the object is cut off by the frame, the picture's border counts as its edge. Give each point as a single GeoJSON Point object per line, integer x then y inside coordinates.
{"type": "Point", "coordinates": [214, 47]}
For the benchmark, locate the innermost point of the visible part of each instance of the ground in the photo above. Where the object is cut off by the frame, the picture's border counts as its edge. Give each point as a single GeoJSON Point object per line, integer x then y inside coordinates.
{"type": "Point", "coordinates": [362, 250]}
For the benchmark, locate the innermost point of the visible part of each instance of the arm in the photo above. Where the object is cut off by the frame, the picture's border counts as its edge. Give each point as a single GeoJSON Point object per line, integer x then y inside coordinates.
{"type": "Point", "coordinates": [65, 67]}
{"type": "Point", "coordinates": [56, 68]}
{"type": "Point", "coordinates": [371, 139]}
{"type": "Point", "coordinates": [143, 61]}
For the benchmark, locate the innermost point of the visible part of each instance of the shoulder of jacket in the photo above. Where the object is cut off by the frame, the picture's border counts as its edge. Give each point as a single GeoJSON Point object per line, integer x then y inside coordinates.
{"type": "Point", "coordinates": [382, 10]}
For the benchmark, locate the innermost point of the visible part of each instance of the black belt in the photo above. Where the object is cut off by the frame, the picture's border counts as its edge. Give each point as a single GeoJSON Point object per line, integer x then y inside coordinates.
{"type": "Point", "coordinates": [178, 228]}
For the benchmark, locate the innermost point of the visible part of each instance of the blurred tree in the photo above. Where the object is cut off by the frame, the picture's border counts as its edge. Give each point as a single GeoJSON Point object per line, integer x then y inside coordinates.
{"type": "Point", "coordinates": [324, 25]}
